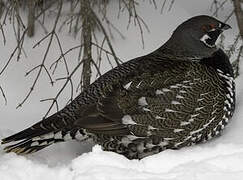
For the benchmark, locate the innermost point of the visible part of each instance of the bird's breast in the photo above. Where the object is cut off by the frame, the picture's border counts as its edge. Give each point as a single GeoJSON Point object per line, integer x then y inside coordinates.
{"type": "Point", "coordinates": [180, 114]}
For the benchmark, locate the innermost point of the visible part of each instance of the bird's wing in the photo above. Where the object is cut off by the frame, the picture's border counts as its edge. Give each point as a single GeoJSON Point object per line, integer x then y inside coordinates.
{"type": "Point", "coordinates": [108, 115]}
{"type": "Point", "coordinates": [170, 102]}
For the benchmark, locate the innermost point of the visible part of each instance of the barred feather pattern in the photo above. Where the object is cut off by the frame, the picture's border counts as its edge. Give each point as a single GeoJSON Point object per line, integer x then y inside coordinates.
{"type": "Point", "coordinates": [187, 108]}
{"type": "Point", "coordinates": [31, 145]}
{"type": "Point", "coordinates": [143, 107]}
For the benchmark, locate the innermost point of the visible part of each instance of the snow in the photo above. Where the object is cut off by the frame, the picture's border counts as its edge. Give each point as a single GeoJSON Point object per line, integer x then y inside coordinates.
{"type": "Point", "coordinates": [220, 158]}
{"type": "Point", "coordinates": [222, 161]}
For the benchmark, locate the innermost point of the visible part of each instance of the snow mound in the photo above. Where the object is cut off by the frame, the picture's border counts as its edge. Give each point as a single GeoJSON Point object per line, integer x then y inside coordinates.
{"type": "Point", "coordinates": [222, 161]}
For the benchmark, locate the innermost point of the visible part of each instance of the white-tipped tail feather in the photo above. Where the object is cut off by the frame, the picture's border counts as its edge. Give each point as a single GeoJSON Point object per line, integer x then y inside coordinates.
{"type": "Point", "coordinates": [36, 143]}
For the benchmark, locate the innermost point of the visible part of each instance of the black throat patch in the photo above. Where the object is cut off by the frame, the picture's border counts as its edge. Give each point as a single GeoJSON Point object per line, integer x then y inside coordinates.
{"type": "Point", "coordinates": [211, 37]}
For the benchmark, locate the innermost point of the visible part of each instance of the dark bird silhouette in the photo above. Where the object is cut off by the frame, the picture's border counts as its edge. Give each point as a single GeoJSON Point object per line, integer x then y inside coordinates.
{"type": "Point", "coordinates": [181, 94]}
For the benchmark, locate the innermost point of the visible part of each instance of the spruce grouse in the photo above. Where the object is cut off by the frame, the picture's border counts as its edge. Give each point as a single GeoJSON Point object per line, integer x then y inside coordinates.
{"type": "Point", "coordinates": [181, 94]}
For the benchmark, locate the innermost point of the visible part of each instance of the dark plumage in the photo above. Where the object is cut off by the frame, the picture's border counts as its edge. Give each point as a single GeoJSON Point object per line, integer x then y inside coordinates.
{"type": "Point", "coordinates": [181, 94]}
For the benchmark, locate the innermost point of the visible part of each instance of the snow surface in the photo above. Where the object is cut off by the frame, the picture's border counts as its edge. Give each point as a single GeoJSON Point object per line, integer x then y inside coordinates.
{"type": "Point", "coordinates": [221, 158]}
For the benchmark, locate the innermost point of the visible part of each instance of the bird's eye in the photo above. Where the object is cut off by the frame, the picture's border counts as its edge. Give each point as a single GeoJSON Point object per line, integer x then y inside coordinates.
{"type": "Point", "coordinates": [208, 27]}
{"type": "Point", "coordinates": [212, 26]}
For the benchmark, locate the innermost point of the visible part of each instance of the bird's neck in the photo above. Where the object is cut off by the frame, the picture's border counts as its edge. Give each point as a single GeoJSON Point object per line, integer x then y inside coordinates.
{"type": "Point", "coordinates": [186, 48]}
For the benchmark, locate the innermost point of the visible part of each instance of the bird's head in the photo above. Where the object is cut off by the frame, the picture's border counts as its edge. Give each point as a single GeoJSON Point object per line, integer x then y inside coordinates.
{"type": "Point", "coordinates": [196, 37]}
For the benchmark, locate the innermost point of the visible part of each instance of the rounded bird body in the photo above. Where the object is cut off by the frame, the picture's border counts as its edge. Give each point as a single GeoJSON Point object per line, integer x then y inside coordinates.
{"type": "Point", "coordinates": [181, 94]}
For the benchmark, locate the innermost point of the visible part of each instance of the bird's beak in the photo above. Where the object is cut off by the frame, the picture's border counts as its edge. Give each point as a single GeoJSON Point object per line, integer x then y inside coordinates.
{"type": "Point", "coordinates": [225, 26]}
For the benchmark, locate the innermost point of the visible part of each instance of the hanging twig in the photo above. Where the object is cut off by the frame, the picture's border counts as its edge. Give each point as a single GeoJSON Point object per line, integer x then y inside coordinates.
{"type": "Point", "coordinates": [171, 4]}
{"type": "Point", "coordinates": [2, 31]}
{"type": "Point", "coordinates": [45, 56]}
{"type": "Point", "coordinates": [54, 64]}
{"type": "Point", "coordinates": [13, 53]}
{"type": "Point", "coordinates": [239, 15]}
{"type": "Point", "coordinates": [85, 18]}
{"type": "Point", "coordinates": [236, 63]}
{"type": "Point", "coordinates": [3, 94]}
{"type": "Point", "coordinates": [68, 80]}
{"type": "Point", "coordinates": [107, 52]}
{"type": "Point", "coordinates": [62, 55]}
{"type": "Point", "coordinates": [106, 36]}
